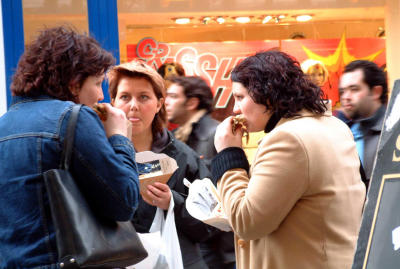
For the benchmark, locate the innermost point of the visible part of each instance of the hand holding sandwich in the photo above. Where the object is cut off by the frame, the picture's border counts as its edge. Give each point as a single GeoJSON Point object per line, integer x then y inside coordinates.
{"type": "Point", "coordinates": [229, 133]}
{"type": "Point", "coordinates": [113, 119]}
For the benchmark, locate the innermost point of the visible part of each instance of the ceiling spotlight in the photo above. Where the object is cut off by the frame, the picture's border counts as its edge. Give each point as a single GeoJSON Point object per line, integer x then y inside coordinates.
{"type": "Point", "coordinates": [220, 20]}
{"type": "Point", "coordinates": [303, 18]}
{"type": "Point", "coordinates": [266, 19]}
{"type": "Point", "coordinates": [282, 16]}
{"type": "Point", "coordinates": [242, 19]}
{"type": "Point", "coordinates": [206, 20]}
{"type": "Point", "coordinates": [182, 20]}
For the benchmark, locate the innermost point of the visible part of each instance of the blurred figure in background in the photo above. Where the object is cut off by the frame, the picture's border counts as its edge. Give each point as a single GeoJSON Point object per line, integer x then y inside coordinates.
{"type": "Point", "coordinates": [167, 70]}
{"type": "Point", "coordinates": [139, 91]}
{"type": "Point", "coordinates": [300, 204]}
{"type": "Point", "coordinates": [57, 70]}
{"type": "Point", "coordinates": [364, 95]}
{"type": "Point", "coordinates": [340, 113]}
{"type": "Point", "coordinates": [316, 71]}
{"type": "Point", "coordinates": [189, 103]}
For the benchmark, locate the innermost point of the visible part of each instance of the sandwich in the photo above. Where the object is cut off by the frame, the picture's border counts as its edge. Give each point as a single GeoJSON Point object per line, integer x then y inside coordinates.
{"type": "Point", "coordinates": [101, 111]}
{"type": "Point", "coordinates": [239, 122]}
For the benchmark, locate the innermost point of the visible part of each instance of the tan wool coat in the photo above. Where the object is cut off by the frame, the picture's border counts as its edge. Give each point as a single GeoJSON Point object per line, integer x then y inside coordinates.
{"type": "Point", "coordinates": [301, 206]}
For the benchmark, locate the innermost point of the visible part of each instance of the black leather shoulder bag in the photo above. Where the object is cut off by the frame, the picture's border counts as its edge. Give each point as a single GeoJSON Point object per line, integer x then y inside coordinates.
{"type": "Point", "coordinates": [85, 240]}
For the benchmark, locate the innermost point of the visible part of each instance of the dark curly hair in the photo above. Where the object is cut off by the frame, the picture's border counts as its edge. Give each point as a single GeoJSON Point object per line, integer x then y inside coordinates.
{"type": "Point", "coordinates": [195, 87]}
{"type": "Point", "coordinates": [274, 79]}
{"type": "Point", "coordinates": [58, 59]}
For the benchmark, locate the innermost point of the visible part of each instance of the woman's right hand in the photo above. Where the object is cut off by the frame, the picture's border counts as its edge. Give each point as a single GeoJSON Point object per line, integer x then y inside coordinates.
{"type": "Point", "coordinates": [116, 122]}
{"type": "Point", "coordinates": [224, 137]}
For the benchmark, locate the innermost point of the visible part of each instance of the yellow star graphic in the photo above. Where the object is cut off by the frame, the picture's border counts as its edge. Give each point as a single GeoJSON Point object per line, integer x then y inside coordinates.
{"type": "Point", "coordinates": [336, 61]}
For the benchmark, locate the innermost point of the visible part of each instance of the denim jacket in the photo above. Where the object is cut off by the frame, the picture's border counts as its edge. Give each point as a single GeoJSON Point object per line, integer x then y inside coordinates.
{"type": "Point", "coordinates": [31, 138]}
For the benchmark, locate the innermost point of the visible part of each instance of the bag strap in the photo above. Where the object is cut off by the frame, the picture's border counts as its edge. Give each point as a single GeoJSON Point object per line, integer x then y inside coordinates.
{"type": "Point", "coordinates": [69, 138]}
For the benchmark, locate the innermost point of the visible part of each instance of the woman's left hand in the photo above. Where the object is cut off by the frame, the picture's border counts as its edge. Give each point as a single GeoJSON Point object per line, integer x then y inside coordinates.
{"type": "Point", "coordinates": [224, 138]}
{"type": "Point", "coordinates": [158, 194]}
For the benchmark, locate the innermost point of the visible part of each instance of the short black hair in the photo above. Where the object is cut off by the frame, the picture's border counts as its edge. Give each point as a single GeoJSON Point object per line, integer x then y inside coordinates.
{"type": "Point", "coordinates": [194, 86]}
{"type": "Point", "coordinates": [373, 75]}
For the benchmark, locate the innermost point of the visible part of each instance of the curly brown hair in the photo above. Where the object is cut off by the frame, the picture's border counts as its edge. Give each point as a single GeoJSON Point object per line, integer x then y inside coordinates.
{"type": "Point", "coordinates": [274, 79]}
{"type": "Point", "coordinates": [57, 60]}
{"type": "Point", "coordinates": [138, 69]}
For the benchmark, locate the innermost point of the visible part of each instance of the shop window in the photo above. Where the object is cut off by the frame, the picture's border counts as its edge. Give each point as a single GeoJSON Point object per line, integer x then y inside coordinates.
{"type": "Point", "coordinates": [40, 14]}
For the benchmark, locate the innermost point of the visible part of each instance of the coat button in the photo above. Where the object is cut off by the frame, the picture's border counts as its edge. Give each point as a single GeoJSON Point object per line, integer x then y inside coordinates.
{"type": "Point", "coordinates": [241, 243]}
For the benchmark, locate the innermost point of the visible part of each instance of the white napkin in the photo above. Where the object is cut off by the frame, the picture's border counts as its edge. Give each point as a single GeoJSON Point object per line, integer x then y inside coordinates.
{"type": "Point", "coordinates": [203, 203]}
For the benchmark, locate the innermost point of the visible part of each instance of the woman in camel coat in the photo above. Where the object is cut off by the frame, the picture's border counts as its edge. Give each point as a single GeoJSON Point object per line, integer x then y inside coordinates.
{"type": "Point", "coordinates": [300, 204]}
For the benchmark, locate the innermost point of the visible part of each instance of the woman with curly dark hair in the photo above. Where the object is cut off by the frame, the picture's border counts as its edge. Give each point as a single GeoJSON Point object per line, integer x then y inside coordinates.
{"type": "Point", "coordinates": [60, 68]}
{"type": "Point", "coordinates": [300, 204]}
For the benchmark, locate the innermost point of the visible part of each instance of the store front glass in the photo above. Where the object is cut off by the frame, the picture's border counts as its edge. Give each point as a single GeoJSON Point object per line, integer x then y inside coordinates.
{"type": "Point", "coordinates": [40, 14]}
{"type": "Point", "coordinates": [213, 41]}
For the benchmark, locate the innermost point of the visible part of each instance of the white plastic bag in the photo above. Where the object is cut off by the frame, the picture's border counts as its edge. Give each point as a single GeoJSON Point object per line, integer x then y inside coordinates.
{"type": "Point", "coordinates": [161, 243]}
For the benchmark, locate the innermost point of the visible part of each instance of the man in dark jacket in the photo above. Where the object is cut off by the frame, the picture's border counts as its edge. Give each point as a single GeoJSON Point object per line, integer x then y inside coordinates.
{"type": "Point", "coordinates": [363, 95]}
{"type": "Point", "coordinates": [189, 103]}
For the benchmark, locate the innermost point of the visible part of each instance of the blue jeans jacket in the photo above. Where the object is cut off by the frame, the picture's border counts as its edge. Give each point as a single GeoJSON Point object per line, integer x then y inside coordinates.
{"type": "Point", "coordinates": [31, 138]}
